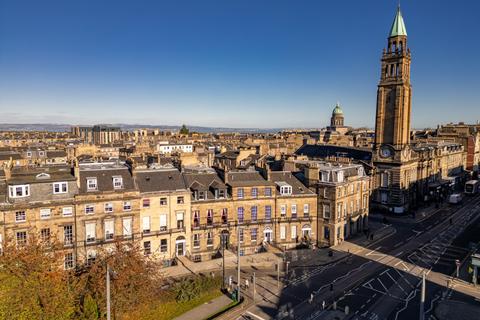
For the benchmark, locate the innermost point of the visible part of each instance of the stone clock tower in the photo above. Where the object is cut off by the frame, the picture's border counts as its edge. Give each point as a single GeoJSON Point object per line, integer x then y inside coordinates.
{"type": "Point", "coordinates": [392, 125]}
{"type": "Point", "coordinates": [391, 152]}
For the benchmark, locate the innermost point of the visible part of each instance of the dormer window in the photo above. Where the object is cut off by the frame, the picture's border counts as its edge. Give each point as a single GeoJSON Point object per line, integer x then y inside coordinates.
{"type": "Point", "coordinates": [41, 153]}
{"type": "Point", "coordinates": [201, 195]}
{"type": "Point", "coordinates": [29, 154]}
{"type": "Point", "coordinates": [285, 190]}
{"type": "Point", "coordinates": [117, 182]}
{"type": "Point", "coordinates": [19, 191]}
{"type": "Point", "coordinates": [340, 176]}
{"type": "Point", "coordinates": [219, 193]}
{"type": "Point", "coordinates": [60, 187]}
{"type": "Point", "coordinates": [91, 184]}
{"type": "Point", "coordinates": [325, 175]}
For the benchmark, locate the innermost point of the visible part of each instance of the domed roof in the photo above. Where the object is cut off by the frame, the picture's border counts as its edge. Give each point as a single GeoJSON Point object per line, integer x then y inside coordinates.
{"type": "Point", "coordinates": [337, 110]}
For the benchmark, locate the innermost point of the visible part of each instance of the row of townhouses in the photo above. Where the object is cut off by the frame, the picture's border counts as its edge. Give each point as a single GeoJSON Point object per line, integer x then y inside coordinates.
{"type": "Point", "coordinates": [171, 214]}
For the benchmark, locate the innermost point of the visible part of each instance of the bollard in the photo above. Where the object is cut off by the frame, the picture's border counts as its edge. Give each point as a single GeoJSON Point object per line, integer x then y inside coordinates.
{"type": "Point", "coordinates": [347, 310]}
{"type": "Point", "coordinates": [334, 305]}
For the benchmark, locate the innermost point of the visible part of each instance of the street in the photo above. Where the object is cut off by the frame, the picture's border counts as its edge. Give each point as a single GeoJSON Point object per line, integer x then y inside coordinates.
{"type": "Point", "coordinates": [381, 281]}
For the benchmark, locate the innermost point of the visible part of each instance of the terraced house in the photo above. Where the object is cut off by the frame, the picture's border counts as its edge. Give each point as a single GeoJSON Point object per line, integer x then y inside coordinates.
{"type": "Point", "coordinates": [212, 214]}
{"type": "Point", "coordinates": [296, 211]}
{"type": "Point", "coordinates": [107, 207]}
{"type": "Point", "coordinates": [39, 202]}
{"type": "Point", "coordinates": [164, 213]}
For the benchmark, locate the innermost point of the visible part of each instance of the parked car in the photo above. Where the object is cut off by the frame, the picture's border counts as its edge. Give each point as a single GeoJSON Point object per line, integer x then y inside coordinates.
{"type": "Point", "coordinates": [455, 198]}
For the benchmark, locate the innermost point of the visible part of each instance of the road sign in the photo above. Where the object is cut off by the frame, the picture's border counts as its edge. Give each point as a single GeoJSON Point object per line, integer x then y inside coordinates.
{"type": "Point", "coordinates": [457, 262]}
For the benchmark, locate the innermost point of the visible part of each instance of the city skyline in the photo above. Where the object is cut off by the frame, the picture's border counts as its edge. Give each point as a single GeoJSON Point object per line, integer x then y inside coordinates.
{"type": "Point", "coordinates": [285, 62]}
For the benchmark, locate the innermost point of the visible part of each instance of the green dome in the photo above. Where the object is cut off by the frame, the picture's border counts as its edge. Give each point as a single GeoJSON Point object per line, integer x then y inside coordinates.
{"type": "Point", "coordinates": [337, 110]}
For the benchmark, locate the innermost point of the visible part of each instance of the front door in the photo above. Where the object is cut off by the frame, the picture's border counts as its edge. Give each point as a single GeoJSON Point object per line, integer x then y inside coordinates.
{"type": "Point", "coordinates": [268, 236]}
{"type": "Point", "coordinates": [180, 248]}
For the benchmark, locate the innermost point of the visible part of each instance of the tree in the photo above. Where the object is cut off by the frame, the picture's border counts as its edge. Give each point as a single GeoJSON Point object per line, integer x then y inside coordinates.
{"type": "Point", "coordinates": [184, 130]}
{"type": "Point", "coordinates": [135, 279]}
{"type": "Point", "coordinates": [33, 285]}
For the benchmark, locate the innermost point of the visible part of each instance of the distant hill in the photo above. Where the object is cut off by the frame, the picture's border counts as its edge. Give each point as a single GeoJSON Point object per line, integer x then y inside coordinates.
{"type": "Point", "coordinates": [128, 127]}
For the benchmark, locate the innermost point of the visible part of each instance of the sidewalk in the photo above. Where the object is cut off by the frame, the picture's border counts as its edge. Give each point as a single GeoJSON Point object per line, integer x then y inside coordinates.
{"type": "Point", "coordinates": [319, 257]}
{"type": "Point", "coordinates": [420, 215]}
{"type": "Point", "coordinates": [207, 309]}
{"type": "Point", "coordinates": [186, 267]}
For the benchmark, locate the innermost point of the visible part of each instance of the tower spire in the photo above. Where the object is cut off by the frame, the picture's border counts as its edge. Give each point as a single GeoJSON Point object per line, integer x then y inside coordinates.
{"type": "Point", "coordinates": [398, 25]}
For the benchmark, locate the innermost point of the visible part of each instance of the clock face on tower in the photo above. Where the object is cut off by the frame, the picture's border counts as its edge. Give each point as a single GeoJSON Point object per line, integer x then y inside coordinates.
{"type": "Point", "coordinates": [386, 152]}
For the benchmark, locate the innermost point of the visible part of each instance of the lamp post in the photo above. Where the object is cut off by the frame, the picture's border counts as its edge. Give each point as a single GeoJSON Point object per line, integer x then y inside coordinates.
{"type": "Point", "coordinates": [222, 236]}
{"type": "Point", "coordinates": [108, 293]}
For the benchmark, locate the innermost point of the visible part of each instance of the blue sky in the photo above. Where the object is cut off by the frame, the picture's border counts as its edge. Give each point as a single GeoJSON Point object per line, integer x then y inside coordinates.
{"type": "Point", "coordinates": [250, 63]}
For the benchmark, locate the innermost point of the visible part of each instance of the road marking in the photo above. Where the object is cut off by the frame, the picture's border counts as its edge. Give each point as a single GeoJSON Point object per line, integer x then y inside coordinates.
{"type": "Point", "coordinates": [417, 232]}
{"type": "Point", "coordinates": [410, 238]}
{"type": "Point", "coordinates": [371, 252]}
{"type": "Point", "coordinates": [254, 315]}
{"type": "Point", "coordinates": [405, 267]}
{"type": "Point", "coordinates": [398, 244]}
{"type": "Point", "coordinates": [384, 272]}
{"type": "Point", "coordinates": [386, 290]}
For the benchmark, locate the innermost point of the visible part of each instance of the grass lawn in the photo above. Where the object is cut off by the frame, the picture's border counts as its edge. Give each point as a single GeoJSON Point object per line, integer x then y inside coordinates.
{"type": "Point", "coordinates": [167, 307]}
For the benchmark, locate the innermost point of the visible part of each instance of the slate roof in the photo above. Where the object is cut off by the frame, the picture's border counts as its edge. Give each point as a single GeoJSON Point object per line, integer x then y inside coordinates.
{"type": "Point", "coordinates": [157, 180]}
{"type": "Point", "coordinates": [246, 179]}
{"type": "Point", "coordinates": [40, 175]}
{"type": "Point", "coordinates": [205, 180]}
{"type": "Point", "coordinates": [10, 154]}
{"type": "Point", "coordinates": [104, 177]}
{"type": "Point", "coordinates": [56, 153]}
{"type": "Point", "coordinates": [285, 176]}
{"type": "Point", "coordinates": [325, 150]}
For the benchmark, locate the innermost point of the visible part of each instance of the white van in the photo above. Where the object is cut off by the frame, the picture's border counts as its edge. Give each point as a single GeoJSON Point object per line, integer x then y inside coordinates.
{"type": "Point", "coordinates": [455, 198]}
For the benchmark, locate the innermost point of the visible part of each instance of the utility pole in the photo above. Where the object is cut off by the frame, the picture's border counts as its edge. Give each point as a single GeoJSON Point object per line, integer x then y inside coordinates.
{"type": "Point", "coordinates": [278, 275]}
{"type": "Point", "coordinates": [108, 292]}
{"type": "Point", "coordinates": [223, 258]}
{"type": "Point", "coordinates": [254, 287]}
{"type": "Point", "coordinates": [238, 259]}
{"type": "Point", "coordinates": [422, 299]}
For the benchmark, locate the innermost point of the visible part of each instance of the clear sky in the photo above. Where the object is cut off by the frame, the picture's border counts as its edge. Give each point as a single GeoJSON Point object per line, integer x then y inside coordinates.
{"type": "Point", "coordinates": [243, 63]}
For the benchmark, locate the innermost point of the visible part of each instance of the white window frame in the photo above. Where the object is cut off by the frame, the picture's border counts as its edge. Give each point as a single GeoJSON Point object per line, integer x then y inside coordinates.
{"type": "Point", "coordinates": [89, 206]}
{"type": "Point", "coordinates": [283, 232]}
{"type": "Point", "coordinates": [196, 240]}
{"type": "Point", "coordinates": [70, 234]}
{"type": "Point", "coordinates": [60, 186]}
{"type": "Point", "coordinates": [90, 235]}
{"type": "Point", "coordinates": [283, 210]}
{"type": "Point", "coordinates": [127, 228]}
{"type": "Point", "coordinates": [70, 263]}
{"type": "Point", "coordinates": [326, 205]}
{"type": "Point", "coordinates": [306, 208]}
{"type": "Point", "coordinates": [163, 222]}
{"type": "Point", "coordinates": [45, 213]}
{"type": "Point", "coordinates": [127, 206]}
{"type": "Point", "coordinates": [67, 211]}
{"type": "Point", "coordinates": [294, 208]}
{"type": "Point", "coordinates": [92, 184]}
{"type": "Point", "coordinates": [109, 228]}
{"type": "Point", "coordinates": [24, 188]}
{"type": "Point", "coordinates": [108, 207]}
{"type": "Point", "coordinates": [146, 225]}
{"type": "Point", "coordinates": [117, 182]}
{"type": "Point", "coordinates": [293, 232]}
{"type": "Point", "coordinates": [24, 216]}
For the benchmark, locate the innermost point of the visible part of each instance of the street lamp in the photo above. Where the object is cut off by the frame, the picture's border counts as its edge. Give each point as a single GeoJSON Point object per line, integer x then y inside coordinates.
{"type": "Point", "coordinates": [223, 240]}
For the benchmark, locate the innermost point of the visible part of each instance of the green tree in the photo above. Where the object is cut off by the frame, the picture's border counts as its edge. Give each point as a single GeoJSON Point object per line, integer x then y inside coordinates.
{"type": "Point", "coordinates": [33, 284]}
{"type": "Point", "coordinates": [90, 308]}
{"type": "Point", "coordinates": [184, 130]}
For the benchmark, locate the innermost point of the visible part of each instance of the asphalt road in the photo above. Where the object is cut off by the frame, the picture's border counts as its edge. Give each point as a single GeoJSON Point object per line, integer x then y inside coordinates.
{"type": "Point", "coordinates": [381, 282]}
